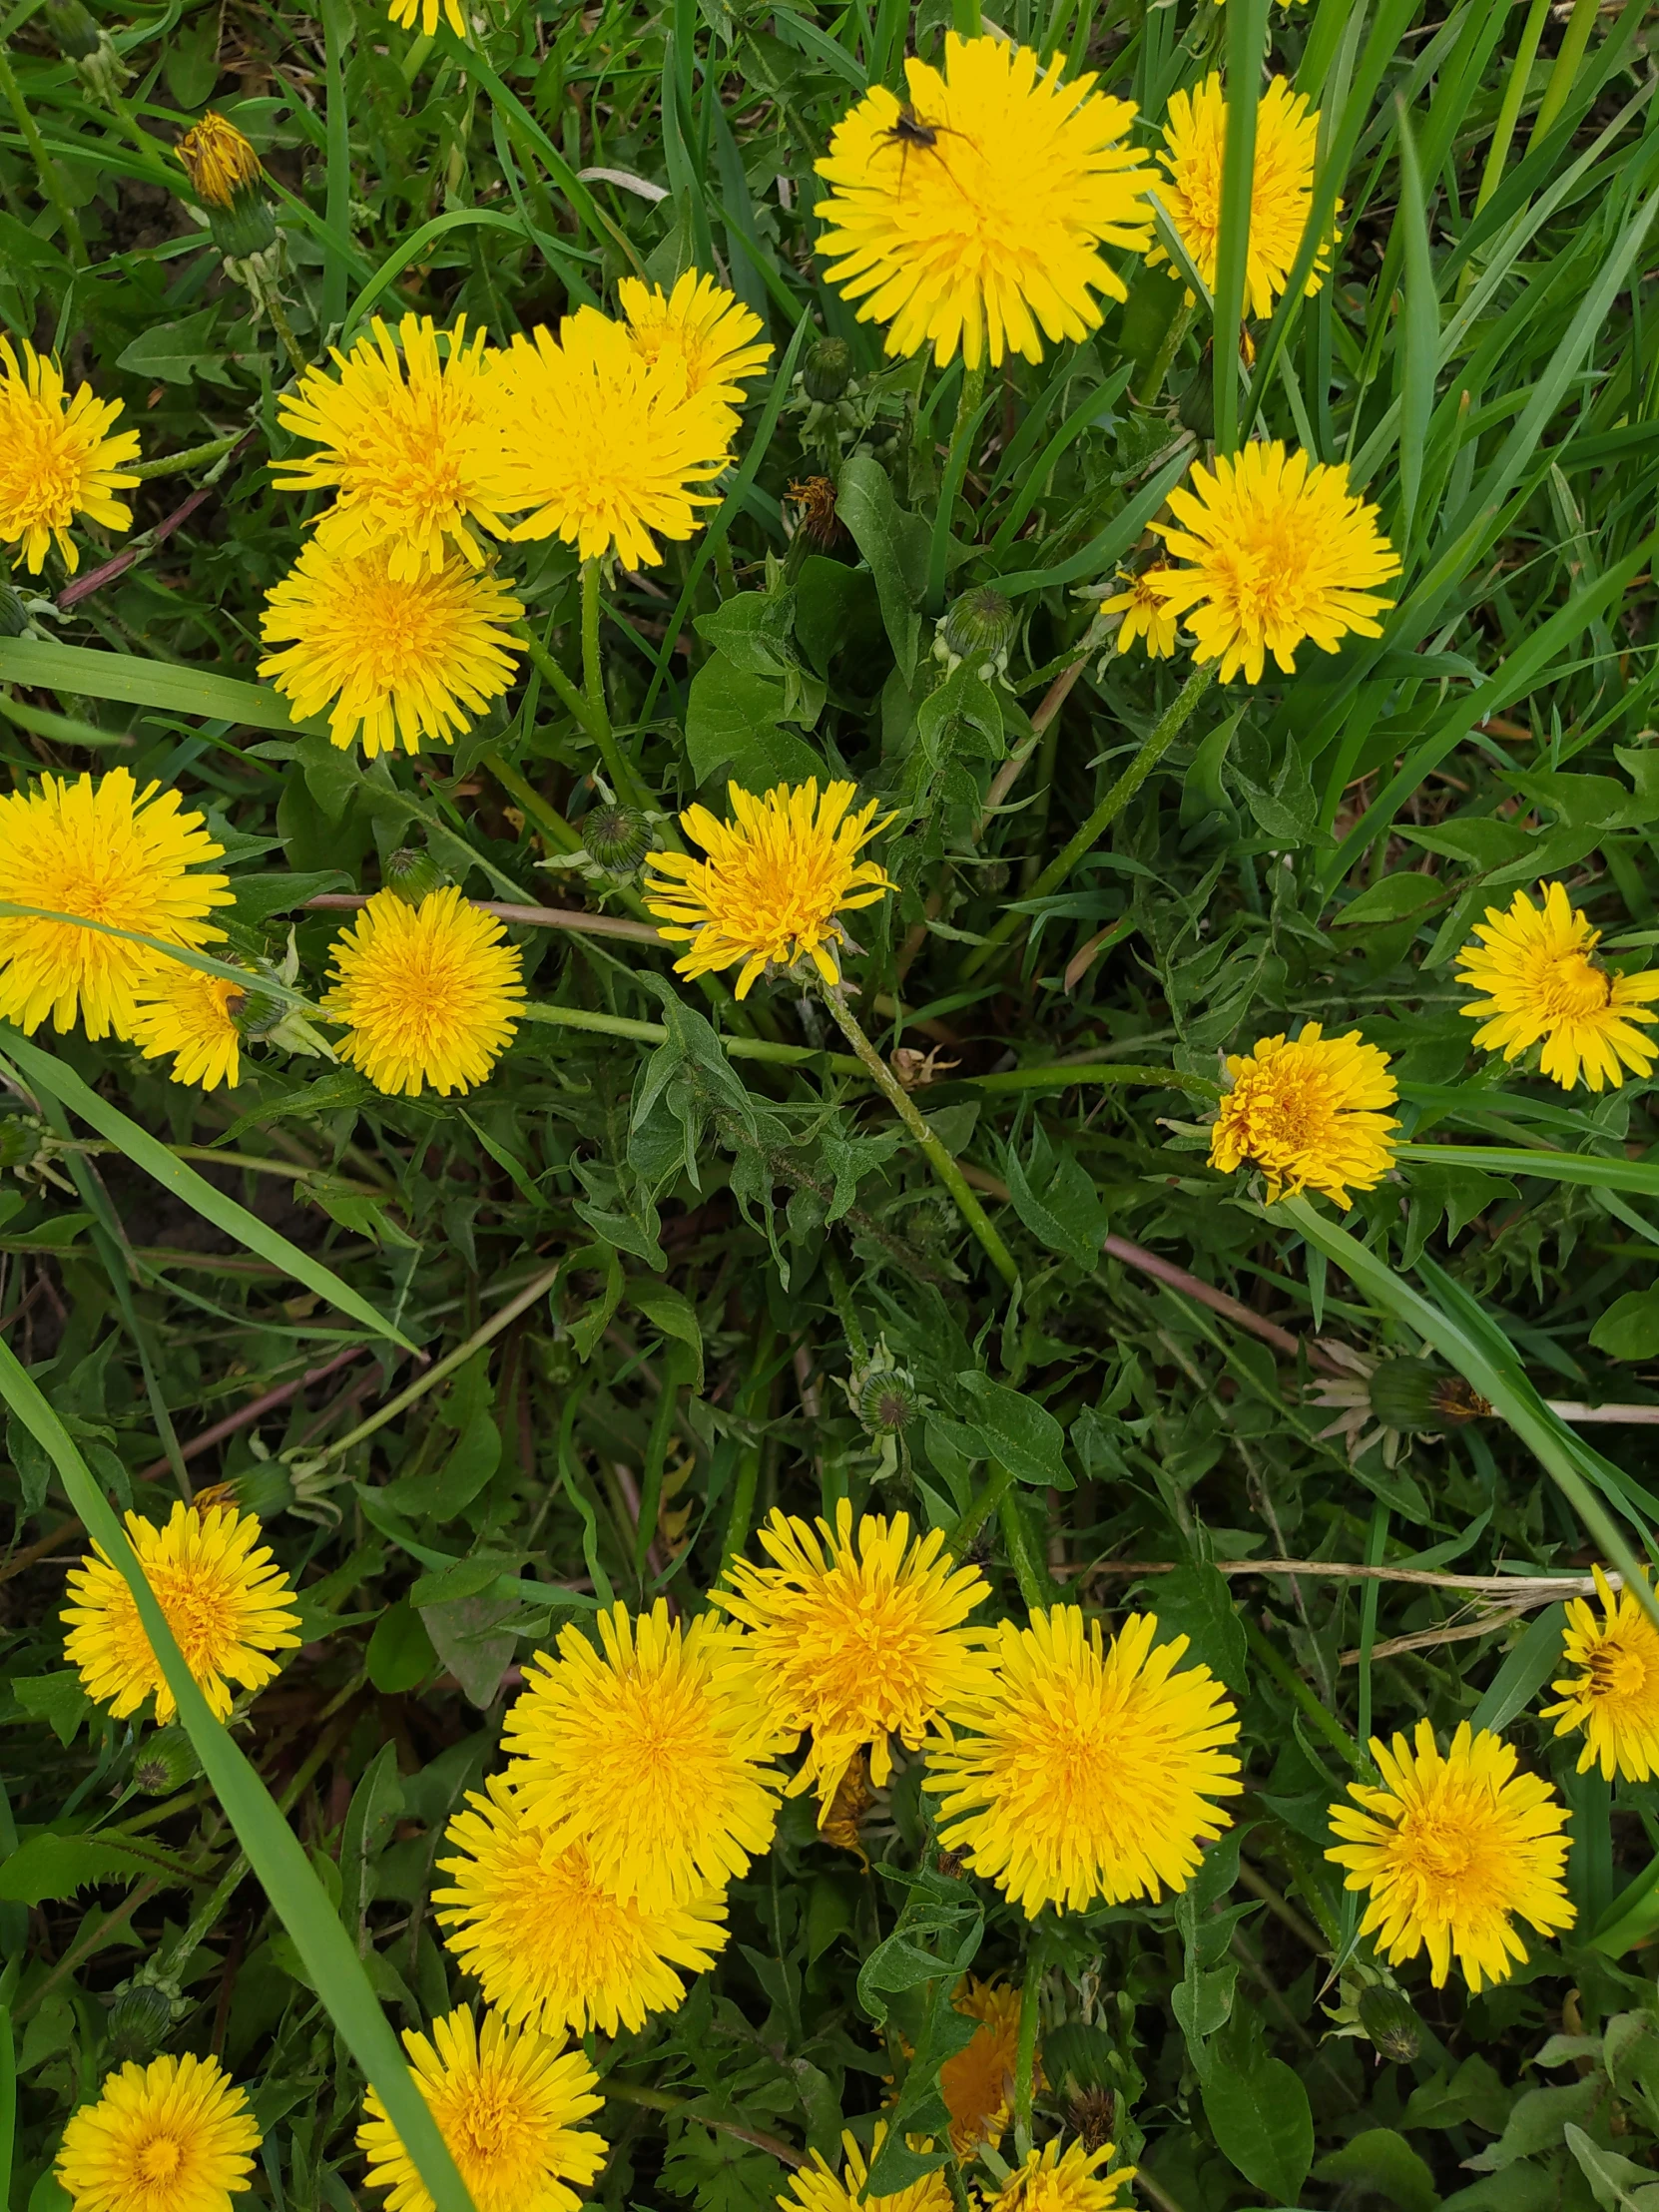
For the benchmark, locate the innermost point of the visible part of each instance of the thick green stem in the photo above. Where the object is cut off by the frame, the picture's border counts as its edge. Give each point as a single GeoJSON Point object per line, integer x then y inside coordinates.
{"type": "Point", "coordinates": [197, 457]}
{"type": "Point", "coordinates": [1029, 1572]}
{"type": "Point", "coordinates": [752, 1401]}
{"type": "Point", "coordinates": [938, 1159]}
{"type": "Point", "coordinates": [265, 294]}
{"type": "Point", "coordinates": [1151, 385]}
{"type": "Point", "coordinates": [621, 770]}
{"type": "Point", "coordinates": [1173, 721]}
{"type": "Point", "coordinates": [1025, 2053]}
{"type": "Point", "coordinates": [50, 181]}
{"type": "Point", "coordinates": [977, 1511]}
{"type": "Point", "coordinates": [1565, 72]}
{"type": "Point", "coordinates": [1326, 1721]}
{"type": "Point", "coordinates": [1514, 92]}
{"type": "Point", "coordinates": [955, 469]}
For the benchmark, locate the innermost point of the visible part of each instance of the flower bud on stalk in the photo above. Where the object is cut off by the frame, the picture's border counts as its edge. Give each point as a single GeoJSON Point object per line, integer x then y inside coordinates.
{"type": "Point", "coordinates": [616, 837]}
{"type": "Point", "coordinates": [827, 372]}
{"type": "Point", "coordinates": [979, 627]}
{"type": "Point", "coordinates": [412, 875]}
{"type": "Point", "coordinates": [230, 182]}
{"type": "Point", "coordinates": [86, 45]}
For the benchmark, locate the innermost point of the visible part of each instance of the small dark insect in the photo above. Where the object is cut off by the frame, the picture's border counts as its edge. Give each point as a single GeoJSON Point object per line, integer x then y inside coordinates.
{"type": "Point", "coordinates": [911, 130]}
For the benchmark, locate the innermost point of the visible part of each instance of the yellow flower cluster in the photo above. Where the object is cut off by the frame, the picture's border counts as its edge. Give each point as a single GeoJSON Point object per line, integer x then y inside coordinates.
{"type": "Point", "coordinates": [606, 434]}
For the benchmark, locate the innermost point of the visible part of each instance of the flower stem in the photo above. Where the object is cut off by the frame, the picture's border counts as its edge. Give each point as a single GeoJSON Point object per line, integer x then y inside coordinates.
{"type": "Point", "coordinates": [955, 469]}
{"type": "Point", "coordinates": [51, 182]}
{"type": "Point", "coordinates": [938, 1159]}
{"type": "Point", "coordinates": [1025, 2052]}
{"type": "Point", "coordinates": [1029, 1572]}
{"type": "Point", "coordinates": [1174, 719]}
{"type": "Point", "coordinates": [1152, 383]}
{"type": "Point", "coordinates": [197, 457]}
{"type": "Point", "coordinates": [265, 292]}
{"type": "Point", "coordinates": [620, 769]}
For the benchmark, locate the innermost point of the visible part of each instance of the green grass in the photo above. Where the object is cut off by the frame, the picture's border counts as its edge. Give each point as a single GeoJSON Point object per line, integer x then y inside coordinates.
{"type": "Point", "coordinates": [653, 1250]}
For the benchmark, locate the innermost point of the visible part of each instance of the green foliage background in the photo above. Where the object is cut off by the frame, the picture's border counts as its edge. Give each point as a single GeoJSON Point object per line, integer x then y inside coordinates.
{"type": "Point", "coordinates": [642, 1267]}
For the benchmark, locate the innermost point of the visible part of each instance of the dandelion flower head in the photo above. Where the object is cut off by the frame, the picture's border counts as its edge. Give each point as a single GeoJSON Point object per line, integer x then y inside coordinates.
{"type": "Point", "coordinates": [1611, 1689]}
{"type": "Point", "coordinates": [1543, 982]}
{"type": "Point", "coordinates": [401, 437]}
{"type": "Point", "coordinates": [1145, 618]}
{"type": "Point", "coordinates": [181, 1010]}
{"type": "Point", "coordinates": [1282, 188]}
{"type": "Point", "coordinates": [430, 993]}
{"type": "Point", "coordinates": [1279, 551]}
{"type": "Point", "coordinates": [548, 1944]}
{"type": "Point", "coordinates": [175, 2135]}
{"type": "Point", "coordinates": [1453, 1849]}
{"type": "Point", "coordinates": [855, 1636]}
{"type": "Point", "coordinates": [818, 2188]}
{"type": "Point", "coordinates": [773, 881]}
{"type": "Point", "coordinates": [220, 1592]}
{"type": "Point", "coordinates": [706, 330]}
{"type": "Point", "coordinates": [57, 459]}
{"type": "Point", "coordinates": [652, 1751]}
{"type": "Point", "coordinates": [394, 660]}
{"type": "Point", "coordinates": [972, 219]}
{"type": "Point", "coordinates": [977, 2084]}
{"type": "Point", "coordinates": [1086, 1770]}
{"type": "Point", "coordinates": [1052, 2180]}
{"type": "Point", "coordinates": [508, 2101]}
{"type": "Point", "coordinates": [634, 449]}
{"type": "Point", "coordinates": [1309, 1111]}
{"type": "Point", "coordinates": [101, 849]}
{"type": "Point", "coordinates": [220, 163]}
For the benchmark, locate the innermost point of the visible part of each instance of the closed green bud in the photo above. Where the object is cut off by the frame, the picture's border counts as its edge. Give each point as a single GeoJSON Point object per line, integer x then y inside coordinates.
{"type": "Point", "coordinates": [1387, 2019]}
{"type": "Point", "coordinates": [72, 30]}
{"type": "Point", "coordinates": [1413, 1396]}
{"type": "Point", "coordinates": [828, 370]}
{"type": "Point", "coordinates": [615, 837]}
{"type": "Point", "coordinates": [978, 628]}
{"type": "Point", "coordinates": [1196, 403]}
{"type": "Point", "coordinates": [165, 1761]}
{"type": "Point", "coordinates": [14, 617]}
{"type": "Point", "coordinates": [413, 876]}
{"type": "Point", "coordinates": [264, 1491]}
{"type": "Point", "coordinates": [21, 1140]}
{"type": "Point", "coordinates": [888, 1402]}
{"type": "Point", "coordinates": [139, 2022]}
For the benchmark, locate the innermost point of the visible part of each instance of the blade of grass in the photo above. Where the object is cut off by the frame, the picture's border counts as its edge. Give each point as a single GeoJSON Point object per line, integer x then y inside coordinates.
{"type": "Point", "coordinates": [1558, 1167]}
{"type": "Point", "coordinates": [1247, 32]}
{"type": "Point", "coordinates": [81, 672]}
{"type": "Point", "coordinates": [273, 1849]}
{"type": "Point", "coordinates": [1419, 335]}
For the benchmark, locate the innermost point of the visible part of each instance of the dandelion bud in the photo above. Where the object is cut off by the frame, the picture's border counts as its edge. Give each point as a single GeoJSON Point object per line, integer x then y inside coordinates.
{"type": "Point", "coordinates": [138, 2020]}
{"type": "Point", "coordinates": [979, 627]}
{"type": "Point", "coordinates": [413, 875]}
{"type": "Point", "coordinates": [1387, 2019]}
{"type": "Point", "coordinates": [1409, 1394]}
{"type": "Point", "coordinates": [616, 837]}
{"type": "Point", "coordinates": [165, 1763]}
{"type": "Point", "coordinates": [22, 1141]}
{"type": "Point", "coordinates": [828, 370]}
{"type": "Point", "coordinates": [14, 616]}
{"type": "Point", "coordinates": [1195, 402]}
{"type": "Point", "coordinates": [888, 1402]}
{"type": "Point", "coordinates": [85, 45]}
{"type": "Point", "coordinates": [230, 182]}
{"type": "Point", "coordinates": [256, 1013]}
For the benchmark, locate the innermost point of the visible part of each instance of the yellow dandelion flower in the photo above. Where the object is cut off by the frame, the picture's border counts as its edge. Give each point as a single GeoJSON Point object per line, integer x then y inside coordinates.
{"type": "Point", "coordinates": [977, 2084]}
{"type": "Point", "coordinates": [1144, 616]}
{"type": "Point", "coordinates": [430, 993]}
{"type": "Point", "coordinates": [1308, 1110]}
{"type": "Point", "coordinates": [174, 2136]}
{"type": "Point", "coordinates": [101, 849]}
{"type": "Point", "coordinates": [1280, 551]}
{"type": "Point", "coordinates": [57, 459]}
{"type": "Point", "coordinates": [220, 1592]}
{"type": "Point", "coordinates": [773, 881]}
{"type": "Point", "coordinates": [397, 660]}
{"type": "Point", "coordinates": [1453, 1851]}
{"type": "Point", "coordinates": [1084, 1770]}
{"type": "Point", "coordinates": [1612, 1691]}
{"type": "Point", "coordinates": [1052, 2180]}
{"type": "Point", "coordinates": [818, 2188]}
{"type": "Point", "coordinates": [1282, 188]}
{"type": "Point", "coordinates": [702, 327]}
{"type": "Point", "coordinates": [403, 438]}
{"type": "Point", "coordinates": [651, 1752]}
{"type": "Point", "coordinates": [973, 216]}
{"type": "Point", "coordinates": [634, 449]}
{"type": "Point", "coordinates": [181, 1010]}
{"type": "Point", "coordinates": [546, 1943]}
{"type": "Point", "coordinates": [220, 163]}
{"type": "Point", "coordinates": [506, 2101]}
{"type": "Point", "coordinates": [856, 1638]}
{"type": "Point", "coordinates": [1541, 980]}
{"type": "Point", "coordinates": [404, 12]}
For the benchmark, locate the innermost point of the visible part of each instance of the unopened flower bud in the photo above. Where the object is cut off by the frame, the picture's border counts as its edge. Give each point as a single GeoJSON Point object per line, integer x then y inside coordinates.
{"type": "Point", "coordinates": [888, 1402]}
{"type": "Point", "coordinates": [21, 1140]}
{"type": "Point", "coordinates": [978, 628]}
{"type": "Point", "coordinates": [1387, 2019]}
{"type": "Point", "coordinates": [165, 1761]}
{"type": "Point", "coordinates": [14, 616]}
{"type": "Point", "coordinates": [230, 182]}
{"type": "Point", "coordinates": [828, 371]}
{"type": "Point", "coordinates": [256, 1013]}
{"type": "Point", "coordinates": [1195, 404]}
{"type": "Point", "coordinates": [73, 31]}
{"type": "Point", "coordinates": [413, 875]}
{"type": "Point", "coordinates": [615, 837]}
{"type": "Point", "coordinates": [1413, 1396]}
{"type": "Point", "coordinates": [139, 2022]}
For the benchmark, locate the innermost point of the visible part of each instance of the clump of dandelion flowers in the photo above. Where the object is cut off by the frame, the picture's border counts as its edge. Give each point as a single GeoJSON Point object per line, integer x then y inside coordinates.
{"type": "Point", "coordinates": [101, 849]}
{"type": "Point", "coordinates": [1146, 619]}
{"type": "Point", "coordinates": [1308, 1111]}
{"type": "Point", "coordinates": [57, 459]}
{"type": "Point", "coordinates": [818, 2188]}
{"type": "Point", "coordinates": [700, 326]}
{"type": "Point", "coordinates": [652, 1752]}
{"type": "Point", "coordinates": [855, 1636]}
{"type": "Point", "coordinates": [547, 1944]}
{"type": "Point", "coordinates": [430, 994]}
{"type": "Point", "coordinates": [977, 2083]}
{"type": "Point", "coordinates": [1052, 2180]}
{"type": "Point", "coordinates": [1281, 194]}
{"type": "Point", "coordinates": [1085, 1770]}
{"type": "Point", "coordinates": [181, 1010]}
{"type": "Point", "coordinates": [986, 240]}
{"type": "Point", "coordinates": [634, 449]}
{"type": "Point", "coordinates": [1541, 982]}
{"type": "Point", "coordinates": [772, 883]}
{"type": "Point", "coordinates": [1453, 1849]}
{"type": "Point", "coordinates": [175, 2135]}
{"type": "Point", "coordinates": [1278, 551]}
{"type": "Point", "coordinates": [508, 2101]}
{"type": "Point", "coordinates": [400, 440]}
{"type": "Point", "coordinates": [220, 1592]}
{"type": "Point", "coordinates": [1611, 1689]}
{"type": "Point", "coordinates": [396, 660]}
